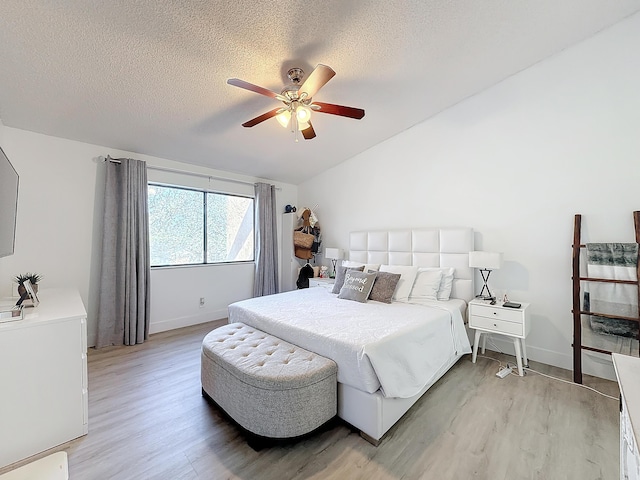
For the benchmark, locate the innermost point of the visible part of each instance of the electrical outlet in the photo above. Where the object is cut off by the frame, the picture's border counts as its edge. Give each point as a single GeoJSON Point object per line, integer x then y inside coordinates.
{"type": "Point", "coordinates": [201, 302]}
{"type": "Point", "coordinates": [504, 372]}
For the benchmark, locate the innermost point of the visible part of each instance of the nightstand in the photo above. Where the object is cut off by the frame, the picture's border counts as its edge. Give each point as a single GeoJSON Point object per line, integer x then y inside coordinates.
{"type": "Point", "coordinates": [512, 322]}
{"type": "Point", "coordinates": [322, 282]}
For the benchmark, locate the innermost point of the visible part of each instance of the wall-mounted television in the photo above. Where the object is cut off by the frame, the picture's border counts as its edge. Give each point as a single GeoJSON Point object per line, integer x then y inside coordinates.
{"type": "Point", "coordinates": [8, 205]}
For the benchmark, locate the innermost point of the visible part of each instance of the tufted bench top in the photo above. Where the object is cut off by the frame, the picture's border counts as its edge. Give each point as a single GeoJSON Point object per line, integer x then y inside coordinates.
{"type": "Point", "coordinates": [264, 361]}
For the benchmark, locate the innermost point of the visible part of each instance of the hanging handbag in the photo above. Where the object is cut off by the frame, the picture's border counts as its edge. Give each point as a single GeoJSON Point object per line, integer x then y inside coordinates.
{"type": "Point", "coordinates": [303, 253]}
{"type": "Point", "coordinates": [302, 240]}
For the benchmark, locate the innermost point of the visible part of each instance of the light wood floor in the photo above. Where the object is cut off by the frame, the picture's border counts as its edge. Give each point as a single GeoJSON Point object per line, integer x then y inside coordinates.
{"type": "Point", "coordinates": [148, 420]}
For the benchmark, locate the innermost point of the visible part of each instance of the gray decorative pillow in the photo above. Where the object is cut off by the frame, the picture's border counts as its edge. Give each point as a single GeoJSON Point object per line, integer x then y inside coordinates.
{"type": "Point", "coordinates": [357, 285]}
{"type": "Point", "coordinates": [340, 276]}
{"type": "Point", "coordinates": [384, 287]}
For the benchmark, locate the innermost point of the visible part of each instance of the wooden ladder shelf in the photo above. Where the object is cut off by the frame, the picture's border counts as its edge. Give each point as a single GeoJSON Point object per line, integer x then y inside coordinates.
{"type": "Point", "coordinates": [578, 312]}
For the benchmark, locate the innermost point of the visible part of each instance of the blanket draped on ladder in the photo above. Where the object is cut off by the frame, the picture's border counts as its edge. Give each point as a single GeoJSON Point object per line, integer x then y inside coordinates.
{"type": "Point", "coordinates": [616, 261]}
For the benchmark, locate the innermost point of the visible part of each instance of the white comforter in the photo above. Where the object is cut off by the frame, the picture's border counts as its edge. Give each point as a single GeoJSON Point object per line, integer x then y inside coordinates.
{"type": "Point", "coordinates": [397, 347]}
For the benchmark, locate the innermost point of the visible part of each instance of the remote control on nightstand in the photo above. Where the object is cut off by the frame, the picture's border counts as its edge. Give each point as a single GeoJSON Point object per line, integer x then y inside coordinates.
{"type": "Point", "coordinates": [511, 305]}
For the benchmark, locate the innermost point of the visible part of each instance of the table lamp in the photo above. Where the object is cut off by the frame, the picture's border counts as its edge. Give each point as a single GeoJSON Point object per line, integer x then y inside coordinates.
{"type": "Point", "coordinates": [334, 254]}
{"type": "Point", "coordinates": [486, 262]}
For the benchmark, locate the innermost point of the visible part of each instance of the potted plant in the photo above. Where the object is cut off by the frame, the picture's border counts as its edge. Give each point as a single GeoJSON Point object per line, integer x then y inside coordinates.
{"type": "Point", "coordinates": [34, 278]}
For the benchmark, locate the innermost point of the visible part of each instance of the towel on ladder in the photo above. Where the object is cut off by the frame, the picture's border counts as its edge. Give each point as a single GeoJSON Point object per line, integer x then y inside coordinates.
{"type": "Point", "coordinates": [616, 261]}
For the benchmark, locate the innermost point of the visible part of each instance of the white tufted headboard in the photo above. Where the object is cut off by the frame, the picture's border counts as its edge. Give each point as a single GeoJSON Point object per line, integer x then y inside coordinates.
{"type": "Point", "coordinates": [426, 247]}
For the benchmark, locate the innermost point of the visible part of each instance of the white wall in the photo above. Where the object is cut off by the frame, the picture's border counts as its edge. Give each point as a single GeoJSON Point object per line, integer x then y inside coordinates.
{"type": "Point", "coordinates": [515, 162]}
{"type": "Point", "coordinates": [59, 230]}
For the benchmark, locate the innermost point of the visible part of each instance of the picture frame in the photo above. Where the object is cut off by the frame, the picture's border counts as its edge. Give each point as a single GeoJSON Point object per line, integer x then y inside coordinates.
{"type": "Point", "coordinates": [29, 294]}
{"type": "Point", "coordinates": [32, 293]}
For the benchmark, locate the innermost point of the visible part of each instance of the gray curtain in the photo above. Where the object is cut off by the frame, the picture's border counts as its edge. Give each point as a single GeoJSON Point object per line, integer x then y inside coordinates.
{"type": "Point", "coordinates": [123, 308]}
{"type": "Point", "coordinates": [266, 275]}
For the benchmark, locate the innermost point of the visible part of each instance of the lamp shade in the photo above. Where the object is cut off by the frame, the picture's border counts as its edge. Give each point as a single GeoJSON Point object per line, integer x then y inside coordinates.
{"type": "Point", "coordinates": [284, 118]}
{"type": "Point", "coordinates": [303, 113]}
{"type": "Point", "coordinates": [333, 253]}
{"type": "Point", "coordinates": [485, 260]}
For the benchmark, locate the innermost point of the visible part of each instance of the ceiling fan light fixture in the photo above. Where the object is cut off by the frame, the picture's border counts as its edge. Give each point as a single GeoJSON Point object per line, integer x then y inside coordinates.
{"type": "Point", "coordinates": [303, 113]}
{"type": "Point", "coordinates": [297, 97]}
{"type": "Point", "coordinates": [284, 118]}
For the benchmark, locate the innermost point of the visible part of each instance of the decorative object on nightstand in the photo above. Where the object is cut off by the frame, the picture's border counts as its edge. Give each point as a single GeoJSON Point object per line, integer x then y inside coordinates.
{"type": "Point", "coordinates": [485, 262]}
{"type": "Point", "coordinates": [333, 254]}
{"type": "Point", "coordinates": [323, 271]}
{"type": "Point", "coordinates": [512, 322]}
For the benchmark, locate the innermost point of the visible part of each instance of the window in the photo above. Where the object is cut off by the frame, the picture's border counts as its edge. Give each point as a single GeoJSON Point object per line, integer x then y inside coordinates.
{"type": "Point", "coordinates": [194, 227]}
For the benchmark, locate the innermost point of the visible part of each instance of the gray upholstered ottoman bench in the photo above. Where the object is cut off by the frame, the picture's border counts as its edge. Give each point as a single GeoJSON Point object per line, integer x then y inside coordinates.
{"type": "Point", "coordinates": [269, 387]}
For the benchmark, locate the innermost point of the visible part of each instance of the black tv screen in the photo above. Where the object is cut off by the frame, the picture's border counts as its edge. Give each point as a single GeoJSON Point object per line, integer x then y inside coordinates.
{"type": "Point", "coordinates": [8, 205]}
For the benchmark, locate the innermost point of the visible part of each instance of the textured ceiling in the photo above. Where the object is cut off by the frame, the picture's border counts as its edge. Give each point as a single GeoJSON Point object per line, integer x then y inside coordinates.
{"type": "Point", "coordinates": [150, 76]}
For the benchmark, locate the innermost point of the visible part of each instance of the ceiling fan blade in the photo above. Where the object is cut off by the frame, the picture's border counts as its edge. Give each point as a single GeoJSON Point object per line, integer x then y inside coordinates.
{"type": "Point", "coordinates": [265, 116]}
{"type": "Point", "coordinates": [341, 110]}
{"type": "Point", "coordinates": [318, 78]}
{"type": "Point", "coordinates": [236, 82]}
{"type": "Point", "coordinates": [309, 133]}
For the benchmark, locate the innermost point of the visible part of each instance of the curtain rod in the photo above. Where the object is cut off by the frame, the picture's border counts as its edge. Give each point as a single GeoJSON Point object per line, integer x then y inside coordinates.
{"type": "Point", "coordinates": [185, 172]}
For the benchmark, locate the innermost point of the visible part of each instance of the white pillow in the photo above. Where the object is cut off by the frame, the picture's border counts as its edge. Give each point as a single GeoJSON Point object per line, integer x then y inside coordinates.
{"type": "Point", "coordinates": [367, 266]}
{"type": "Point", "coordinates": [427, 283]}
{"type": "Point", "coordinates": [407, 277]}
{"type": "Point", "coordinates": [446, 283]}
{"type": "Point", "coordinates": [444, 292]}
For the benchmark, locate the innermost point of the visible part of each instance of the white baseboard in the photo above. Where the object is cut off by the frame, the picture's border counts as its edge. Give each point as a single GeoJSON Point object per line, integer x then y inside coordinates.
{"type": "Point", "coordinates": [173, 323]}
{"type": "Point", "coordinates": [53, 467]}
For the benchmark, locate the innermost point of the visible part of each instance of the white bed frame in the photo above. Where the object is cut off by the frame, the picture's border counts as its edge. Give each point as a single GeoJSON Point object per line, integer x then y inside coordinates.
{"type": "Point", "coordinates": [372, 413]}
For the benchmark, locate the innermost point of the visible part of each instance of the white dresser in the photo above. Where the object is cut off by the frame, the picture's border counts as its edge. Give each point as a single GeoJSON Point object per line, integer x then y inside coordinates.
{"type": "Point", "coordinates": [628, 374]}
{"type": "Point", "coordinates": [43, 376]}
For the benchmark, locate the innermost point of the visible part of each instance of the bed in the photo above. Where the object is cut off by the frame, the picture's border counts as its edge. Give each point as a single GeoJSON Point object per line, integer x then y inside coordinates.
{"type": "Point", "coordinates": [388, 355]}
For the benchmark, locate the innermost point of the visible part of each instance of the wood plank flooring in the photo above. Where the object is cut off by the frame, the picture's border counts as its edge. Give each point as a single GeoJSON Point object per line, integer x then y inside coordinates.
{"type": "Point", "coordinates": [148, 420]}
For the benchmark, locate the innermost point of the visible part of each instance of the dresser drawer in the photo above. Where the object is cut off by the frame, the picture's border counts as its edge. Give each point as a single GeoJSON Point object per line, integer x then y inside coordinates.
{"type": "Point", "coordinates": [497, 325]}
{"type": "Point", "coordinates": [510, 315]}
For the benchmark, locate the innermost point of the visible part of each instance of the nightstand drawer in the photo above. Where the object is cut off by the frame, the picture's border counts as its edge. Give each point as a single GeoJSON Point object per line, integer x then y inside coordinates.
{"type": "Point", "coordinates": [322, 282]}
{"type": "Point", "coordinates": [510, 315]}
{"type": "Point", "coordinates": [497, 325]}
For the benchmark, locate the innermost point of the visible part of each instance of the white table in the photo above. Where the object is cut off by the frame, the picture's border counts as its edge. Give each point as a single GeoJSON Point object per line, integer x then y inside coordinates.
{"type": "Point", "coordinates": [322, 282]}
{"type": "Point", "coordinates": [512, 322]}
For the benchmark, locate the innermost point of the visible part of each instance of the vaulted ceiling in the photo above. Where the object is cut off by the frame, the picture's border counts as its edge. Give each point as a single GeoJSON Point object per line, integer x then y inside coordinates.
{"type": "Point", "coordinates": [149, 76]}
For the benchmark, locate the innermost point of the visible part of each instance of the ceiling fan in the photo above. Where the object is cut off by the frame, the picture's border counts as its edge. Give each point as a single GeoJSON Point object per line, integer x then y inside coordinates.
{"type": "Point", "coordinates": [297, 100]}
